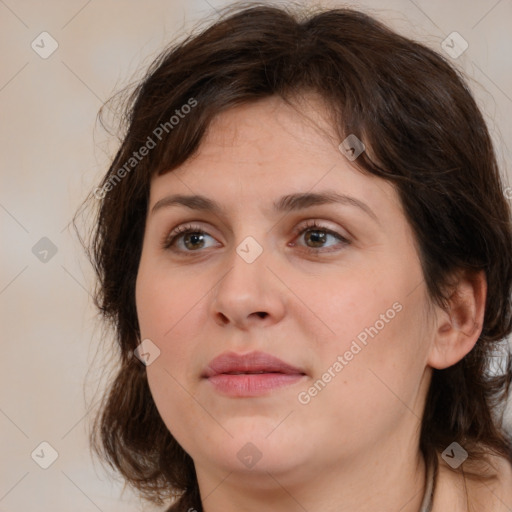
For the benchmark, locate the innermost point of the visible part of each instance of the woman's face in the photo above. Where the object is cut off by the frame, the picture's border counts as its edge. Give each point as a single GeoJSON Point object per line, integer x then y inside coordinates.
{"type": "Point", "coordinates": [343, 304]}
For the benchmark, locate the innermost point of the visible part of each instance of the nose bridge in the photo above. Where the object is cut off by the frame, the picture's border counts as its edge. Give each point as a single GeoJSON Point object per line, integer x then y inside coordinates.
{"type": "Point", "coordinates": [246, 268]}
{"type": "Point", "coordinates": [246, 289]}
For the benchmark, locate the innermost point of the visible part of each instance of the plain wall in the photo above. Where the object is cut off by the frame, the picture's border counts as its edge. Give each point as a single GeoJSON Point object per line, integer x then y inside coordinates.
{"type": "Point", "coordinates": [53, 152]}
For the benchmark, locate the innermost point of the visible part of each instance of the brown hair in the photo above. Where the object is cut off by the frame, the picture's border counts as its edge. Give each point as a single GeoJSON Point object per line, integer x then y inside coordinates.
{"type": "Point", "coordinates": [423, 132]}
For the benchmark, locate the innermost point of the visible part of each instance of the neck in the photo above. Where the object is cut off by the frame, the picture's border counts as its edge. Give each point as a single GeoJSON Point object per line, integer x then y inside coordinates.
{"type": "Point", "coordinates": [389, 479]}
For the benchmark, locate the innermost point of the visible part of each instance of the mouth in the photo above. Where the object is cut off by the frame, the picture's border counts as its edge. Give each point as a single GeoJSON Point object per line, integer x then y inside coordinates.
{"type": "Point", "coordinates": [253, 374]}
{"type": "Point", "coordinates": [249, 372]}
{"type": "Point", "coordinates": [253, 363]}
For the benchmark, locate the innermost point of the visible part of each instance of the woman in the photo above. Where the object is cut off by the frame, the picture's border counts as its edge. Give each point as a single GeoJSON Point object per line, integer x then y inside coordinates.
{"type": "Point", "coordinates": [304, 248]}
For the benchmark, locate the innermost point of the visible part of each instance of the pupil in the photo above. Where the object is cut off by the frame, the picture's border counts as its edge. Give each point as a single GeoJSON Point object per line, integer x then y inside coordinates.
{"type": "Point", "coordinates": [318, 237]}
{"type": "Point", "coordinates": [194, 237]}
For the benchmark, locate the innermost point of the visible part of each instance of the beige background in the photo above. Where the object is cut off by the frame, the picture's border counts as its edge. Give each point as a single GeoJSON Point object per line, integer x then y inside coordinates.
{"type": "Point", "coordinates": [53, 152]}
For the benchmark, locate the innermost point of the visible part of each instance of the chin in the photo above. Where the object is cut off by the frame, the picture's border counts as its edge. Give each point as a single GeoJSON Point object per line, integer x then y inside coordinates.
{"type": "Point", "coordinates": [255, 459]}
{"type": "Point", "coordinates": [254, 449]}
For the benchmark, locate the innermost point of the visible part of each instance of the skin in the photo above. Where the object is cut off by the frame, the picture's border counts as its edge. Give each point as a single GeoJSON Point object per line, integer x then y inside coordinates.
{"type": "Point", "coordinates": [355, 445]}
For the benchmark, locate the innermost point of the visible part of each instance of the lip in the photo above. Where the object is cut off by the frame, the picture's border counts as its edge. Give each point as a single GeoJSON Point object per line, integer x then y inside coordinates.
{"type": "Point", "coordinates": [252, 374]}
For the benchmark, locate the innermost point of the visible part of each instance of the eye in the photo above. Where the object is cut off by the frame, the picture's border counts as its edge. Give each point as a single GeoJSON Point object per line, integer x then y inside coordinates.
{"type": "Point", "coordinates": [192, 237]}
{"type": "Point", "coordinates": [318, 235]}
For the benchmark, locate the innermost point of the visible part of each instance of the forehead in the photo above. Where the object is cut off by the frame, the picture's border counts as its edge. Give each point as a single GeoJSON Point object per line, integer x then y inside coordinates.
{"type": "Point", "coordinates": [255, 153]}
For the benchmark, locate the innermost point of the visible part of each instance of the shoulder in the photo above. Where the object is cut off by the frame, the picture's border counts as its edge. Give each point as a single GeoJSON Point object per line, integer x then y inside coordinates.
{"type": "Point", "coordinates": [482, 487]}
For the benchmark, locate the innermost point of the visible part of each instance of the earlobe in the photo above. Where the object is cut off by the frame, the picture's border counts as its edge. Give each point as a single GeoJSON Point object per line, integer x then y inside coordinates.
{"type": "Point", "coordinates": [458, 328]}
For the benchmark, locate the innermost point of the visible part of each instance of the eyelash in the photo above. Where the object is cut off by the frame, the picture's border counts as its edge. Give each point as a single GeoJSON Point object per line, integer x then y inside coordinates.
{"type": "Point", "coordinates": [171, 238]}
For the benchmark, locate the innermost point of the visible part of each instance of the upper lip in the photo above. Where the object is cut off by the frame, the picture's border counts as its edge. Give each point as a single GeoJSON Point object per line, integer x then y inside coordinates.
{"type": "Point", "coordinates": [253, 362]}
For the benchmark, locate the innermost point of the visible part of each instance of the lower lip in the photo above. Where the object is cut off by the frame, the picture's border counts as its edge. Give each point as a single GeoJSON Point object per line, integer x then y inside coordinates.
{"type": "Point", "coordinates": [255, 384]}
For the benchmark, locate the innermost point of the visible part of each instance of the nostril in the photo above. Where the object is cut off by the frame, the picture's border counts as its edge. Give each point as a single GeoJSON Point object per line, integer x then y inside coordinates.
{"type": "Point", "coordinates": [262, 314]}
{"type": "Point", "coordinates": [223, 318]}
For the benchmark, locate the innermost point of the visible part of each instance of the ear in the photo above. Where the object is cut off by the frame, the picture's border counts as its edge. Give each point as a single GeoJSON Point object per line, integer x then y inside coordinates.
{"type": "Point", "coordinates": [457, 329]}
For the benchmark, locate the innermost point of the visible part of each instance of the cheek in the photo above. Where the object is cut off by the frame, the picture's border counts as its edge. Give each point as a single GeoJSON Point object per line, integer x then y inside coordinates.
{"type": "Point", "coordinates": [167, 306]}
{"type": "Point", "coordinates": [170, 319]}
{"type": "Point", "coordinates": [375, 383]}
{"type": "Point", "coordinates": [377, 329]}
{"type": "Point", "coordinates": [358, 305]}
{"type": "Point", "coordinates": [172, 401]}
{"type": "Point", "coordinates": [172, 315]}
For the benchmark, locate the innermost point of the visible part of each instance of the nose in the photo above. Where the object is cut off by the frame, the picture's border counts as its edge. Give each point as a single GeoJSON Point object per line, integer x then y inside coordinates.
{"type": "Point", "coordinates": [248, 295]}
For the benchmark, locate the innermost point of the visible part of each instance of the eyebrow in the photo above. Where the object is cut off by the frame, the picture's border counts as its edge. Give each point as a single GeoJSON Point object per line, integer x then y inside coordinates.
{"type": "Point", "coordinates": [288, 203]}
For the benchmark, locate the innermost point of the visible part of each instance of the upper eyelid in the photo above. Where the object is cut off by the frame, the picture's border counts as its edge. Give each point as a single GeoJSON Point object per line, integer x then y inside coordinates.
{"type": "Point", "coordinates": [194, 224]}
{"type": "Point", "coordinates": [302, 226]}
{"type": "Point", "coordinates": [200, 225]}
